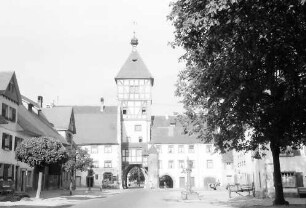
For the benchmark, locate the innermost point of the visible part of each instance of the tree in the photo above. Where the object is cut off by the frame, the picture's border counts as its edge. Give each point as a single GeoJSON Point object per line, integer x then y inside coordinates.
{"type": "Point", "coordinates": [78, 159]}
{"type": "Point", "coordinates": [41, 152]}
{"type": "Point", "coordinates": [245, 69]}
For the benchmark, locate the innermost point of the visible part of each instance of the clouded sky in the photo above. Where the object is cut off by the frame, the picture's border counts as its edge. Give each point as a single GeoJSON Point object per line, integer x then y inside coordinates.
{"type": "Point", "coordinates": [69, 51]}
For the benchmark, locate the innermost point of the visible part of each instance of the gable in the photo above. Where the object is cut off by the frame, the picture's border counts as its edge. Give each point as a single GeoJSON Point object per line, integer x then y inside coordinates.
{"type": "Point", "coordinates": [9, 87]}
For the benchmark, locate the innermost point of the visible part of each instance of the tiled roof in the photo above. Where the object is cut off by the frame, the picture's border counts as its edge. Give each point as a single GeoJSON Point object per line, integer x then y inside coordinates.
{"type": "Point", "coordinates": [35, 125]}
{"type": "Point", "coordinates": [134, 68]}
{"type": "Point", "coordinates": [5, 78]}
{"type": "Point", "coordinates": [59, 116]}
{"type": "Point", "coordinates": [166, 130]}
{"type": "Point", "coordinates": [2, 120]}
{"type": "Point", "coordinates": [94, 126]}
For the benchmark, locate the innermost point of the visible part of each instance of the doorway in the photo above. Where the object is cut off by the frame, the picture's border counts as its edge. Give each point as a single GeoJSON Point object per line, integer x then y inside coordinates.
{"type": "Point", "coordinates": [165, 182]}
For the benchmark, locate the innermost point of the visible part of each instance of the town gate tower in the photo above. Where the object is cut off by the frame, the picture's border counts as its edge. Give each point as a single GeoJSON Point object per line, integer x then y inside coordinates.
{"type": "Point", "coordinates": [134, 83]}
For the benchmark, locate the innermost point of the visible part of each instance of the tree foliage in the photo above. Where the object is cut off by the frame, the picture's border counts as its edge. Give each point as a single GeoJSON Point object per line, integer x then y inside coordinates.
{"type": "Point", "coordinates": [79, 159]}
{"type": "Point", "coordinates": [135, 174]}
{"type": "Point", "coordinates": [245, 69]}
{"type": "Point", "coordinates": [41, 152]}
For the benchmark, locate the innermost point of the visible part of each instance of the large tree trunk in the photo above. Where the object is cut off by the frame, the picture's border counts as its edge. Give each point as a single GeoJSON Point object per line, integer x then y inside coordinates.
{"type": "Point", "coordinates": [279, 194]}
{"type": "Point", "coordinates": [39, 184]}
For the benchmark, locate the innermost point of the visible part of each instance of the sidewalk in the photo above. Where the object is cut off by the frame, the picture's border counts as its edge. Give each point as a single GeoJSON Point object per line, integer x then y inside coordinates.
{"type": "Point", "coordinates": [220, 198]}
{"type": "Point", "coordinates": [61, 197]}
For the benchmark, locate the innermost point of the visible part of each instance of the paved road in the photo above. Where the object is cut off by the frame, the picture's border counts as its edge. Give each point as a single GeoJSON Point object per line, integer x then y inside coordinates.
{"type": "Point", "coordinates": [143, 198]}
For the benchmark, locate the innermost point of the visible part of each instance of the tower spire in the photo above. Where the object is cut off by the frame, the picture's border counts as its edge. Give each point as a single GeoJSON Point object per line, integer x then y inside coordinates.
{"type": "Point", "coordinates": [134, 40]}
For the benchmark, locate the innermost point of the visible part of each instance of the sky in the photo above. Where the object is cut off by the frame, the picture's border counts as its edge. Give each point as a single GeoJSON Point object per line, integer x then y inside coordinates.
{"type": "Point", "coordinates": [69, 51]}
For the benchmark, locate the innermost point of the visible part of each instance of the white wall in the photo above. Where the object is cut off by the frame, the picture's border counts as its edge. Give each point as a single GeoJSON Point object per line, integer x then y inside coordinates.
{"type": "Point", "coordinates": [199, 172]}
{"type": "Point", "coordinates": [129, 130]}
{"type": "Point", "coordinates": [100, 157]}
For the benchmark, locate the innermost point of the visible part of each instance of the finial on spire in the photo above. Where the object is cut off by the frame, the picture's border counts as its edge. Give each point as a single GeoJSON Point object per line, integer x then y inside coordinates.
{"type": "Point", "coordinates": [134, 40]}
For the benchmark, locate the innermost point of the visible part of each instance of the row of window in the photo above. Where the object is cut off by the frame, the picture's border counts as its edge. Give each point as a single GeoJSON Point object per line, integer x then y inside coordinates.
{"type": "Point", "coordinates": [107, 164]}
{"type": "Point", "coordinates": [7, 173]}
{"type": "Point", "coordinates": [135, 95]}
{"type": "Point", "coordinates": [128, 82]}
{"type": "Point", "coordinates": [182, 164]}
{"type": "Point", "coordinates": [181, 148]}
{"type": "Point", "coordinates": [125, 111]}
{"type": "Point", "coordinates": [94, 149]}
{"type": "Point", "coordinates": [8, 112]}
{"type": "Point", "coordinates": [132, 155]}
{"type": "Point", "coordinates": [7, 142]}
{"type": "Point", "coordinates": [140, 139]}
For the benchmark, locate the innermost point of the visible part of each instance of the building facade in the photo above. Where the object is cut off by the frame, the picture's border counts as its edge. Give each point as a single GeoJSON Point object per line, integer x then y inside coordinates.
{"type": "Point", "coordinates": [15, 174]}
{"type": "Point", "coordinates": [259, 170]}
{"type": "Point", "coordinates": [98, 131]}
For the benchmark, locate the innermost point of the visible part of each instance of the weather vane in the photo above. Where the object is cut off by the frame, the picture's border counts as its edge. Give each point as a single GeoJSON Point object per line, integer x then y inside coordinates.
{"type": "Point", "coordinates": [134, 40]}
{"type": "Point", "coordinates": [134, 28]}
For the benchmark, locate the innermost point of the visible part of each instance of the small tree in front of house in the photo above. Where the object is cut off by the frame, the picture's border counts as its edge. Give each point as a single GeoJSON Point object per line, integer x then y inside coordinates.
{"type": "Point", "coordinates": [79, 159]}
{"type": "Point", "coordinates": [41, 152]}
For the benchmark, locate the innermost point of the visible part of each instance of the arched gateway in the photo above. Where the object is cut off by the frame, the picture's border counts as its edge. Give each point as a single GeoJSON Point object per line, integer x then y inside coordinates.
{"type": "Point", "coordinates": [165, 181]}
{"type": "Point", "coordinates": [141, 178]}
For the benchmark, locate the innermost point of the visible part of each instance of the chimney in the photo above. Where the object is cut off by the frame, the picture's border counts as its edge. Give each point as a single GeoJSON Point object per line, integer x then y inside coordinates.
{"type": "Point", "coordinates": [30, 107]}
{"type": "Point", "coordinates": [40, 101]}
{"type": "Point", "coordinates": [102, 104]}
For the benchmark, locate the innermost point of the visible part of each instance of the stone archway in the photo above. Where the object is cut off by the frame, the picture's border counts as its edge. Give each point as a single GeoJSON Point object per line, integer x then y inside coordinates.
{"type": "Point", "coordinates": [165, 180]}
{"type": "Point", "coordinates": [128, 169]}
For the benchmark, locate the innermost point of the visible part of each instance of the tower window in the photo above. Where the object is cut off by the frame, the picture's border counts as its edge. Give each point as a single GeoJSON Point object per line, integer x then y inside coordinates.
{"type": "Point", "coordinates": [140, 139]}
{"type": "Point", "coordinates": [124, 111]}
{"type": "Point", "coordinates": [134, 89]}
{"type": "Point", "coordinates": [143, 111]}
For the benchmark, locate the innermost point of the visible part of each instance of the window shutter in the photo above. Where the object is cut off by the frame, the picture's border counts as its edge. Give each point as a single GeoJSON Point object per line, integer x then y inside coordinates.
{"type": "Point", "coordinates": [15, 145]}
{"type": "Point", "coordinates": [3, 140]}
{"type": "Point", "coordinates": [11, 142]}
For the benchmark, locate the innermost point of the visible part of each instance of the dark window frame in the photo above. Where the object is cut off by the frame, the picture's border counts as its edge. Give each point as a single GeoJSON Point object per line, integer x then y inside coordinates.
{"type": "Point", "coordinates": [5, 146]}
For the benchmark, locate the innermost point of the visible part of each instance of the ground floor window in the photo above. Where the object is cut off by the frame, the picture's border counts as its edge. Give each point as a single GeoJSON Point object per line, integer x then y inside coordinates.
{"type": "Point", "coordinates": [107, 176]}
{"type": "Point", "coordinates": [288, 179]}
{"type": "Point", "coordinates": [6, 172]}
